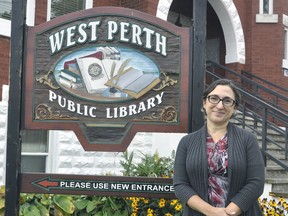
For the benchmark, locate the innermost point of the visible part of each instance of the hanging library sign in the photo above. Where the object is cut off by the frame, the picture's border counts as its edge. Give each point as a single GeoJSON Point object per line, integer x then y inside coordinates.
{"type": "Point", "coordinates": [107, 73]}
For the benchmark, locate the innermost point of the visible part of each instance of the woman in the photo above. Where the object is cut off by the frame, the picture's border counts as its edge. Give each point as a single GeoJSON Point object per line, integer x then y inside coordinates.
{"type": "Point", "coordinates": [219, 169]}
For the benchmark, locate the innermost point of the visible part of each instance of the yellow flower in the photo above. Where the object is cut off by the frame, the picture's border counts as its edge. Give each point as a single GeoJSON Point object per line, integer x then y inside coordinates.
{"type": "Point", "coordinates": [146, 201]}
{"type": "Point", "coordinates": [150, 211]}
{"type": "Point", "coordinates": [133, 214]}
{"type": "Point", "coordinates": [178, 207]}
{"type": "Point", "coordinates": [135, 210]}
{"type": "Point", "coordinates": [134, 204]}
{"type": "Point", "coordinates": [161, 204]}
{"type": "Point", "coordinates": [168, 214]}
{"type": "Point", "coordinates": [273, 203]}
{"type": "Point", "coordinates": [281, 199]}
{"type": "Point", "coordinates": [173, 202]}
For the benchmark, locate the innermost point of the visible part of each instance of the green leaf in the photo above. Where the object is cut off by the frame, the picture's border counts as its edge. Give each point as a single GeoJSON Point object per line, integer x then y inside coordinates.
{"type": "Point", "coordinates": [65, 203]}
{"type": "Point", "coordinates": [43, 210]}
{"type": "Point", "coordinates": [81, 204]}
{"type": "Point", "coordinates": [2, 211]}
{"type": "Point", "coordinates": [98, 214]}
{"type": "Point", "coordinates": [46, 200]}
{"type": "Point", "coordinates": [2, 191]}
{"type": "Point", "coordinates": [91, 205]}
{"type": "Point", "coordinates": [2, 203]}
{"type": "Point", "coordinates": [31, 210]}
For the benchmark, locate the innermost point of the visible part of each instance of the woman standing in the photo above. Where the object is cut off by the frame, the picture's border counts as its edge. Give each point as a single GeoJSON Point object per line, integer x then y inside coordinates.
{"type": "Point", "coordinates": [219, 169]}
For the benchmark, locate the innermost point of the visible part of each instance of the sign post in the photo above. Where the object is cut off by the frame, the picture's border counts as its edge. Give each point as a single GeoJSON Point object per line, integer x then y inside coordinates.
{"type": "Point", "coordinates": [198, 49]}
{"type": "Point", "coordinates": [105, 73]}
{"type": "Point", "coordinates": [12, 189]}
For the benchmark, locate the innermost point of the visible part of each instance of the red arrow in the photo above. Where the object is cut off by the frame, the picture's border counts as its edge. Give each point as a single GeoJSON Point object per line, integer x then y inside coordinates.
{"type": "Point", "coordinates": [46, 183]}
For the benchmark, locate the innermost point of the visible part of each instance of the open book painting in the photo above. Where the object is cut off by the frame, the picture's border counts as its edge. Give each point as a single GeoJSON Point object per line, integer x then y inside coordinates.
{"type": "Point", "coordinates": [109, 72]}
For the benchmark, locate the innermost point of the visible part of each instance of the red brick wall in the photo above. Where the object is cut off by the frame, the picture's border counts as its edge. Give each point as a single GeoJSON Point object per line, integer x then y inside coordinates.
{"type": "Point", "coordinates": [41, 12]}
{"type": "Point", "coordinates": [147, 6]}
{"type": "Point", "coordinates": [264, 42]}
{"type": "Point", "coordinates": [5, 64]}
{"type": "Point", "coordinates": [99, 3]}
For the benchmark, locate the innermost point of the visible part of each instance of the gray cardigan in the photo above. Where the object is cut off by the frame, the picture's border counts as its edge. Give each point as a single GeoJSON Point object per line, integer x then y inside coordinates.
{"type": "Point", "coordinates": [245, 170]}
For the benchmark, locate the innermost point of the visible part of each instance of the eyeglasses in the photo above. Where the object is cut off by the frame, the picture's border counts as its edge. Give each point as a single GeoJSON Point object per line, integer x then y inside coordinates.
{"type": "Point", "coordinates": [226, 101]}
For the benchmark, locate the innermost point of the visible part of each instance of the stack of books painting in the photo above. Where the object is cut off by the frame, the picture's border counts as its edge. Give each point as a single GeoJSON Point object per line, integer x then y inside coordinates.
{"type": "Point", "coordinates": [108, 72]}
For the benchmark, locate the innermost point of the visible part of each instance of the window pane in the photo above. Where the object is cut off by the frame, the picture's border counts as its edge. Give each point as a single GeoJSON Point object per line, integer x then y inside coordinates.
{"type": "Point", "coordinates": [265, 6]}
{"type": "Point", "coordinates": [33, 163]}
{"type": "Point", "coordinates": [34, 141]}
{"type": "Point", "coordinates": [286, 44]}
{"type": "Point", "coordinates": [61, 7]}
{"type": "Point", "coordinates": [5, 9]}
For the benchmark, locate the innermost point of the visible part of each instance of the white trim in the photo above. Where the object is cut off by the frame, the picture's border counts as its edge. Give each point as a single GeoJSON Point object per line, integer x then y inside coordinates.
{"type": "Point", "coordinates": [34, 153]}
{"type": "Point", "coordinates": [30, 12]}
{"type": "Point", "coordinates": [51, 163]}
{"type": "Point", "coordinates": [286, 44]}
{"type": "Point", "coordinates": [89, 4]}
{"type": "Point", "coordinates": [261, 11]}
{"type": "Point", "coordinates": [231, 25]}
{"type": "Point", "coordinates": [285, 63]}
{"type": "Point", "coordinates": [266, 18]}
{"type": "Point", "coordinates": [285, 57]}
{"type": "Point", "coordinates": [48, 10]}
{"type": "Point", "coordinates": [285, 20]}
{"type": "Point", "coordinates": [5, 27]}
{"type": "Point", "coordinates": [232, 29]}
{"type": "Point", "coordinates": [163, 9]}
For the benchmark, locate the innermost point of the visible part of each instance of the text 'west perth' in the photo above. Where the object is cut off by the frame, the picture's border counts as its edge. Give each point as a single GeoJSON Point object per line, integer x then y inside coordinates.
{"type": "Point", "coordinates": [126, 32]}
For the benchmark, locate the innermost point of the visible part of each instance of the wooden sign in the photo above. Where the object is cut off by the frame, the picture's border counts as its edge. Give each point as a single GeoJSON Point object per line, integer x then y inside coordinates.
{"type": "Point", "coordinates": [107, 73]}
{"type": "Point", "coordinates": [100, 185]}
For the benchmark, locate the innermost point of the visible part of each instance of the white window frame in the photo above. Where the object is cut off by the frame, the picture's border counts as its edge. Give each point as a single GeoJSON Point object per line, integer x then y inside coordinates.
{"type": "Point", "coordinates": [266, 18]}
{"type": "Point", "coordinates": [5, 25]}
{"type": "Point", "coordinates": [261, 7]}
{"type": "Point", "coordinates": [285, 56]}
{"type": "Point", "coordinates": [47, 155]}
{"type": "Point", "coordinates": [286, 43]}
{"type": "Point", "coordinates": [88, 4]}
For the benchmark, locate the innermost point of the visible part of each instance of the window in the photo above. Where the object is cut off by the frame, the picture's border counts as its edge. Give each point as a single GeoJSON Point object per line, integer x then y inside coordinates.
{"type": "Point", "coordinates": [34, 151]}
{"type": "Point", "coordinates": [58, 8]}
{"type": "Point", "coordinates": [5, 9]}
{"type": "Point", "coordinates": [266, 7]}
{"type": "Point", "coordinates": [285, 56]}
{"type": "Point", "coordinates": [286, 43]}
{"type": "Point", "coordinates": [266, 12]}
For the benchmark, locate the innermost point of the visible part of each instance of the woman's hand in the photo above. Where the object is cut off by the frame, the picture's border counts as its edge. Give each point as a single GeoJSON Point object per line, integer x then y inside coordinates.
{"type": "Point", "coordinates": [217, 212]}
{"type": "Point", "coordinates": [233, 210]}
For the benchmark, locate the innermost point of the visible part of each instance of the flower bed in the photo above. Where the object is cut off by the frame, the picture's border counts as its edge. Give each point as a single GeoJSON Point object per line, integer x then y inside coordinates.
{"type": "Point", "coordinates": [67, 205]}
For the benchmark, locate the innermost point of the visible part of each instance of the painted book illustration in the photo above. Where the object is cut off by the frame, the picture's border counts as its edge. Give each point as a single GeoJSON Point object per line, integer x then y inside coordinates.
{"type": "Point", "coordinates": [110, 72]}
{"type": "Point", "coordinates": [93, 73]}
{"type": "Point", "coordinates": [134, 82]}
{"type": "Point", "coordinates": [70, 79]}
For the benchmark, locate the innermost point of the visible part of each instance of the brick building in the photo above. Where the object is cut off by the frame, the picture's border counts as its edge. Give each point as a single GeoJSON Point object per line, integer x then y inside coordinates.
{"type": "Point", "coordinates": [242, 35]}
